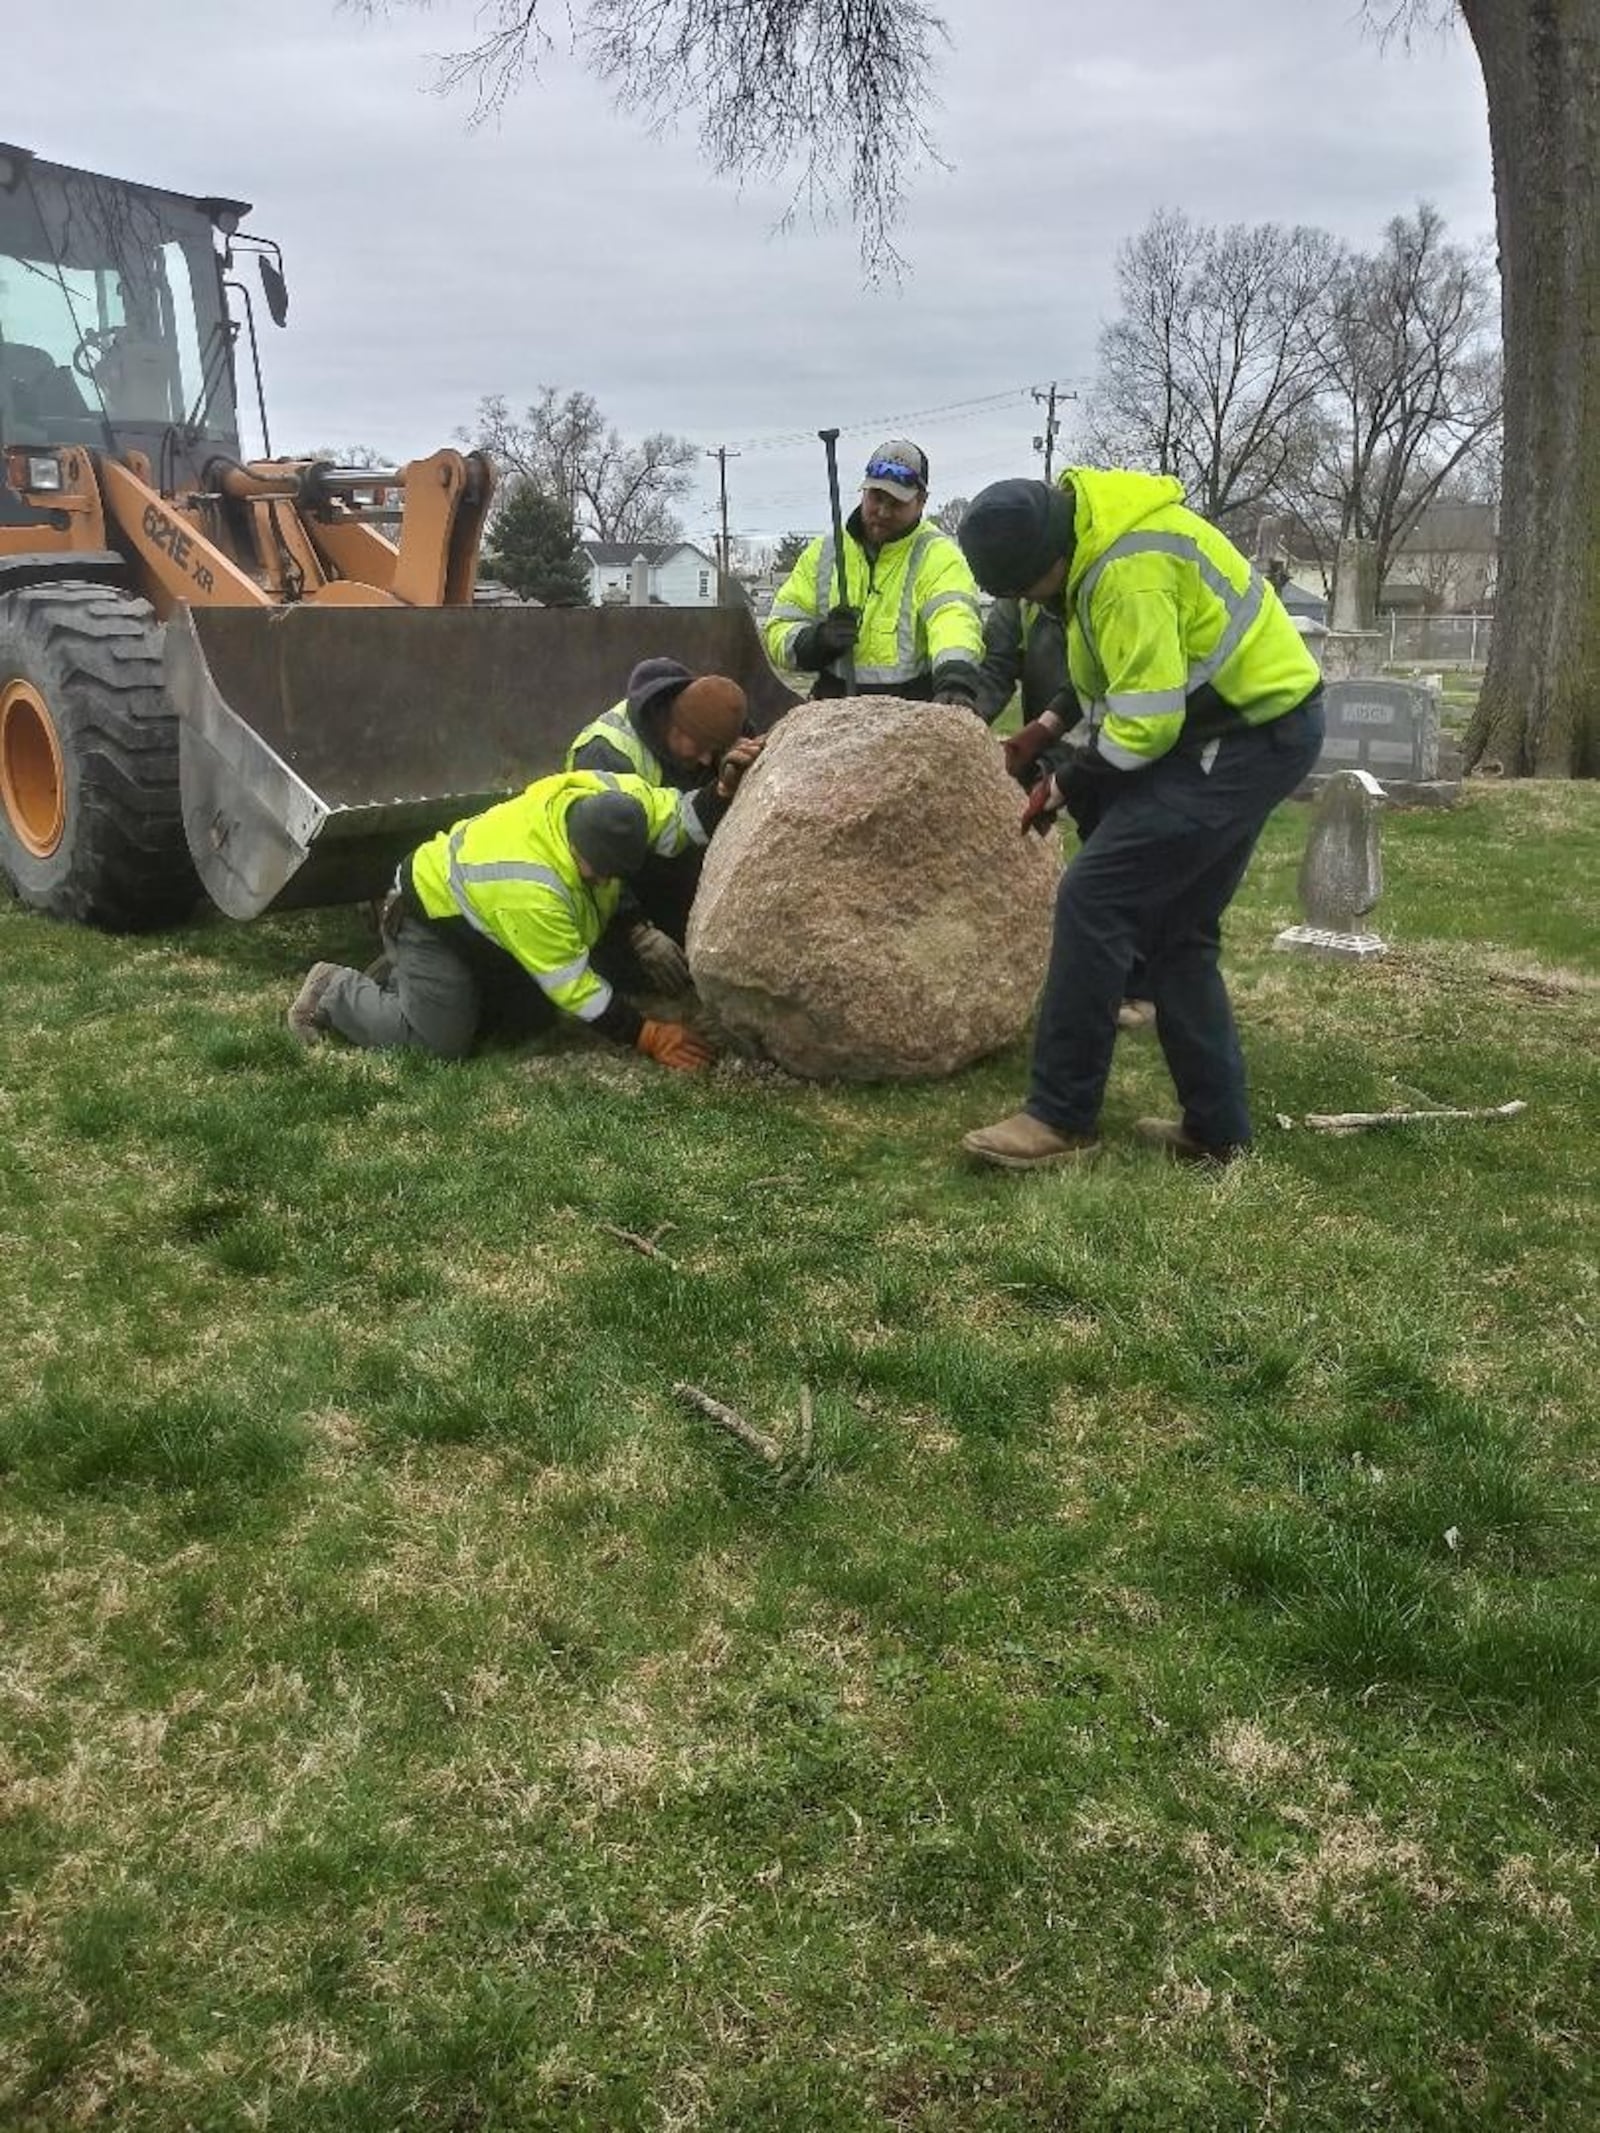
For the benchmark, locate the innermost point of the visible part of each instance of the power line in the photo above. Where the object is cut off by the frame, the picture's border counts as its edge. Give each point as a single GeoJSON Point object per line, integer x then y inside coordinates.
{"type": "Point", "coordinates": [780, 440]}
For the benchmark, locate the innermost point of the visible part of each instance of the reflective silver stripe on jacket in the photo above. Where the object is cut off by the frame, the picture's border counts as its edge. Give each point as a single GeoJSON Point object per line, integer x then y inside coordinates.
{"type": "Point", "coordinates": [951, 599]}
{"type": "Point", "coordinates": [1120, 758]}
{"type": "Point", "coordinates": [1240, 608]}
{"type": "Point", "coordinates": [589, 1010]}
{"type": "Point", "coordinates": [463, 874]}
{"type": "Point", "coordinates": [617, 721]}
{"type": "Point", "coordinates": [826, 590]}
{"type": "Point", "coordinates": [907, 666]}
{"type": "Point", "coordinates": [683, 826]}
{"type": "Point", "coordinates": [553, 980]}
{"type": "Point", "coordinates": [1146, 703]}
{"type": "Point", "coordinates": [595, 1006]}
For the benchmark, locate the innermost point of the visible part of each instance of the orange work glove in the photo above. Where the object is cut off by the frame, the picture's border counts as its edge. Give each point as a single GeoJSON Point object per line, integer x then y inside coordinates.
{"type": "Point", "coordinates": [671, 1045]}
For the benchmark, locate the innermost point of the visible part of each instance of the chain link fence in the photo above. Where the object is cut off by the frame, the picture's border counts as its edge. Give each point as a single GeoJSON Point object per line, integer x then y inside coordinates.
{"type": "Point", "coordinates": [1438, 640]}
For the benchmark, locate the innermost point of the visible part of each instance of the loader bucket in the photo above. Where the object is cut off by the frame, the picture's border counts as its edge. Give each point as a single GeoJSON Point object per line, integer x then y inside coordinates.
{"type": "Point", "coordinates": [318, 745]}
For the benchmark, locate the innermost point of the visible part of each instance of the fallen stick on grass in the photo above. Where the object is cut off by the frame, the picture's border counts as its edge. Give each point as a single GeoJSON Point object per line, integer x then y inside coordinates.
{"type": "Point", "coordinates": [647, 1245]}
{"type": "Point", "coordinates": [786, 1465]}
{"type": "Point", "coordinates": [1359, 1121]}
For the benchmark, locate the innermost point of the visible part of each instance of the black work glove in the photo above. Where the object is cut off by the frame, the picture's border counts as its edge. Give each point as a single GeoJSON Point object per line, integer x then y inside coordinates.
{"type": "Point", "coordinates": [953, 693]}
{"type": "Point", "coordinates": [1045, 802]}
{"type": "Point", "coordinates": [1024, 749]}
{"type": "Point", "coordinates": [819, 642]}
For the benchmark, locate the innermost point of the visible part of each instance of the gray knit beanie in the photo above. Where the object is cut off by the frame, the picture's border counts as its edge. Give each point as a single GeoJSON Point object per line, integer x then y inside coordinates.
{"type": "Point", "coordinates": [609, 830]}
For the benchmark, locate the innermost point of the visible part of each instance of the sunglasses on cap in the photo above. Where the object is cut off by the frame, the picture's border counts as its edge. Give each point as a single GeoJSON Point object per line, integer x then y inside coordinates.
{"type": "Point", "coordinates": [894, 470]}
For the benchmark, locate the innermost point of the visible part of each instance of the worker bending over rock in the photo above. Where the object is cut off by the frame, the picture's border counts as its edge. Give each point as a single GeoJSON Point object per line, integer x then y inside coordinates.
{"type": "Point", "coordinates": [508, 920]}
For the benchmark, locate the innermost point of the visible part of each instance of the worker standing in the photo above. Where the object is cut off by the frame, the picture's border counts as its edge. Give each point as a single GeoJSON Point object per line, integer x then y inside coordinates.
{"type": "Point", "coordinates": [519, 901]}
{"type": "Point", "coordinates": [909, 624]}
{"type": "Point", "coordinates": [677, 731]}
{"type": "Point", "coordinates": [1025, 646]}
{"type": "Point", "coordinates": [1204, 713]}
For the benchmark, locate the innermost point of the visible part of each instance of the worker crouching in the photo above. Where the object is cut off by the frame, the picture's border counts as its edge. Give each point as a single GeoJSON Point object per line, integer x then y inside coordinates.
{"type": "Point", "coordinates": [508, 921]}
{"type": "Point", "coordinates": [673, 729]}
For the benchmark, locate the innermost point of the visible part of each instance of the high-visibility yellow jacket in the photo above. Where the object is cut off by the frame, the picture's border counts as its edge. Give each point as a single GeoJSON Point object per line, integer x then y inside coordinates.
{"type": "Point", "coordinates": [624, 743]}
{"type": "Point", "coordinates": [512, 875]}
{"type": "Point", "coordinates": [920, 620]}
{"type": "Point", "coordinates": [1169, 629]}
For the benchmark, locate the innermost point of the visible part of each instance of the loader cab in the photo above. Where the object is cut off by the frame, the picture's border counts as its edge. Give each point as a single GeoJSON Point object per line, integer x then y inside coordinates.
{"type": "Point", "coordinates": [114, 331]}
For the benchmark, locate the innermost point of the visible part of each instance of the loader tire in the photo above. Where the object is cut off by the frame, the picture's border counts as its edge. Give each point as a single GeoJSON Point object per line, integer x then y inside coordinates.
{"type": "Point", "coordinates": [91, 823]}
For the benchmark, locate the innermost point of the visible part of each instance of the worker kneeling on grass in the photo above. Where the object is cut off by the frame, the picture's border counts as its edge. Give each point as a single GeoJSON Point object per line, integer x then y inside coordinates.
{"type": "Point", "coordinates": [673, 729]}
{"type": "Point", "coordinates": [508, 920]}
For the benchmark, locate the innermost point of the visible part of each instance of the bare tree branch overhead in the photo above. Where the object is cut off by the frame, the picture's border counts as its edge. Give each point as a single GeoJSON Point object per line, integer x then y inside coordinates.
{"type": "Point", "coordinates": [823, 96]}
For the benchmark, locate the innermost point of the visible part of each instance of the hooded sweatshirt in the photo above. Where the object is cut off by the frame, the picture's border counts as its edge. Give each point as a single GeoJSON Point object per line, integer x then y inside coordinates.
{"type": "Point", "coordinates": [629, 738]}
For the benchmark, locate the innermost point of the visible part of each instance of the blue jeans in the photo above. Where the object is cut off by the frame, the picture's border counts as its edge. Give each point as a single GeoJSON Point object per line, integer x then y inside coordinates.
{"type": "Point", "coordinates": [1164, 863]}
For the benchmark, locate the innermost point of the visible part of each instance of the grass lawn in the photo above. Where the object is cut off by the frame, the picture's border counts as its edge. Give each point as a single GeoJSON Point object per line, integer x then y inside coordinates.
{"type": "Point", "coordinates": [1166, 1698]}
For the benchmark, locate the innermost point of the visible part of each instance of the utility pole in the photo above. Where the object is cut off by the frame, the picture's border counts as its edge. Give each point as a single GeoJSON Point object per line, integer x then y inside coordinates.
{"type": "Point", "coordinates": [1052, 424]}
{"type": "Point", "coordinates": [722, 455]}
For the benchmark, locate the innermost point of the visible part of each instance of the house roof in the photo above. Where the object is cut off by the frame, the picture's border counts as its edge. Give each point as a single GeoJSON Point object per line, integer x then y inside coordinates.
{"type": "Point", "coordinates": [1301, 600]}
{"type": "Point", "coordinates": [614, 554]}
{"type": "Point", "coordinates": [1452, 529]}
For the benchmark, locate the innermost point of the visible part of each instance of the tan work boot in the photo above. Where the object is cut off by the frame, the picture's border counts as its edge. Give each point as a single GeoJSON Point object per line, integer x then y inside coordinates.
{"type": "Point", "coordinates": [1023, 1142]}
{"type": "Point", "coordinates": [1136, 1014]}
{"type": "Point", "coordinates": [305, 1018]}
{"type": "Point", "coordinates": [1171, 1139]}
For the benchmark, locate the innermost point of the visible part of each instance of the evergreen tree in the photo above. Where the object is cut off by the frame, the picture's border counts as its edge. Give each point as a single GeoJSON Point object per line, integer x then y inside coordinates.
{"type": "Point", "coordinates": [533, 548]}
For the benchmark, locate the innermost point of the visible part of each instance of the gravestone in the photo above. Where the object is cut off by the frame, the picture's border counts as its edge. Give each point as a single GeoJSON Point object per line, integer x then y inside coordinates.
{"type": "Point", "coordinates": [1341, 876]}
{"type": "Point", "coordinates": [1390, 728]}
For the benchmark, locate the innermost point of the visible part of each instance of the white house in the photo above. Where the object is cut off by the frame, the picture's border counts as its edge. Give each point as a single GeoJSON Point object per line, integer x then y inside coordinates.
{"type": "Point", "coordinates": [681, 575]}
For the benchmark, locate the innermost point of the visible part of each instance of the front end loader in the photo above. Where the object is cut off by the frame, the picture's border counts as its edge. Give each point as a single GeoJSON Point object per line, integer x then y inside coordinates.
{"type": "Point", "coordinates": [265, 678]}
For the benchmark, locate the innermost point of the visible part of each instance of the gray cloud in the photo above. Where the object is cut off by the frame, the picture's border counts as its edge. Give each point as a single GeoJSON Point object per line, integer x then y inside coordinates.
{"type": "Point", "coordinates": [431, 262]}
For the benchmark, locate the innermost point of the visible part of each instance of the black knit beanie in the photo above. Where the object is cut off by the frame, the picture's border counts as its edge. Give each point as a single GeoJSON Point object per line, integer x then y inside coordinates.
{"type": "Point", "coordinates": [1013, 532]}
{"type": "Point", "coordinates": [609, 830]}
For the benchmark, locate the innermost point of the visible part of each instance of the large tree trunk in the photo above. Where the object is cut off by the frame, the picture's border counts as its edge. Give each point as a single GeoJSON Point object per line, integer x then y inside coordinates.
{"type": "Point", "coordinates": [1539, 715]}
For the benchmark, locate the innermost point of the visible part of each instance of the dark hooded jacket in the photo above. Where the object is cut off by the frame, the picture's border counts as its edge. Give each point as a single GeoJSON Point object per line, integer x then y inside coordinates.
{"type": "Point", "coordinates": [654, 687]}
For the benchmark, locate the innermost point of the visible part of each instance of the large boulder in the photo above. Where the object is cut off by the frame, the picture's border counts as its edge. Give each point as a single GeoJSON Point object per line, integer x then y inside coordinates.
{"type": "Point", "coordinates": [868, 911]}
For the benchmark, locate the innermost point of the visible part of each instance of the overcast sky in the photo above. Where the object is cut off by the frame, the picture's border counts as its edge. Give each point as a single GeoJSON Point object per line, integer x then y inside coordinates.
{"type": "Point", "coordinates": [431, 262]}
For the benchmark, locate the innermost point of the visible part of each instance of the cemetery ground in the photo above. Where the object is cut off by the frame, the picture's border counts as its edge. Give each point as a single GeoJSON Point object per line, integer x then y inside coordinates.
{"type": "Point", "coordinates": [1165, 1696]}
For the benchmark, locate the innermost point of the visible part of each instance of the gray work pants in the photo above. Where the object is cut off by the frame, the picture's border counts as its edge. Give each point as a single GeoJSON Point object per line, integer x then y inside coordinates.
{"type": "Point", "coordinates": [430, 1000]}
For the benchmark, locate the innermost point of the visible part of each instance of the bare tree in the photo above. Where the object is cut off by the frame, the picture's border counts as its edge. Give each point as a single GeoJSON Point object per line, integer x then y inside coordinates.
{"type": "Point", "coordinates": [949, 515]}
{"type": "Point", "coordinates": [612, 490]}
{"type": "Point", "coordinates": [830, 84]}
{"type": "Point", "coordinates": [1212, 371]}
{"type": "Point", "coordinates": [1411, 380]}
